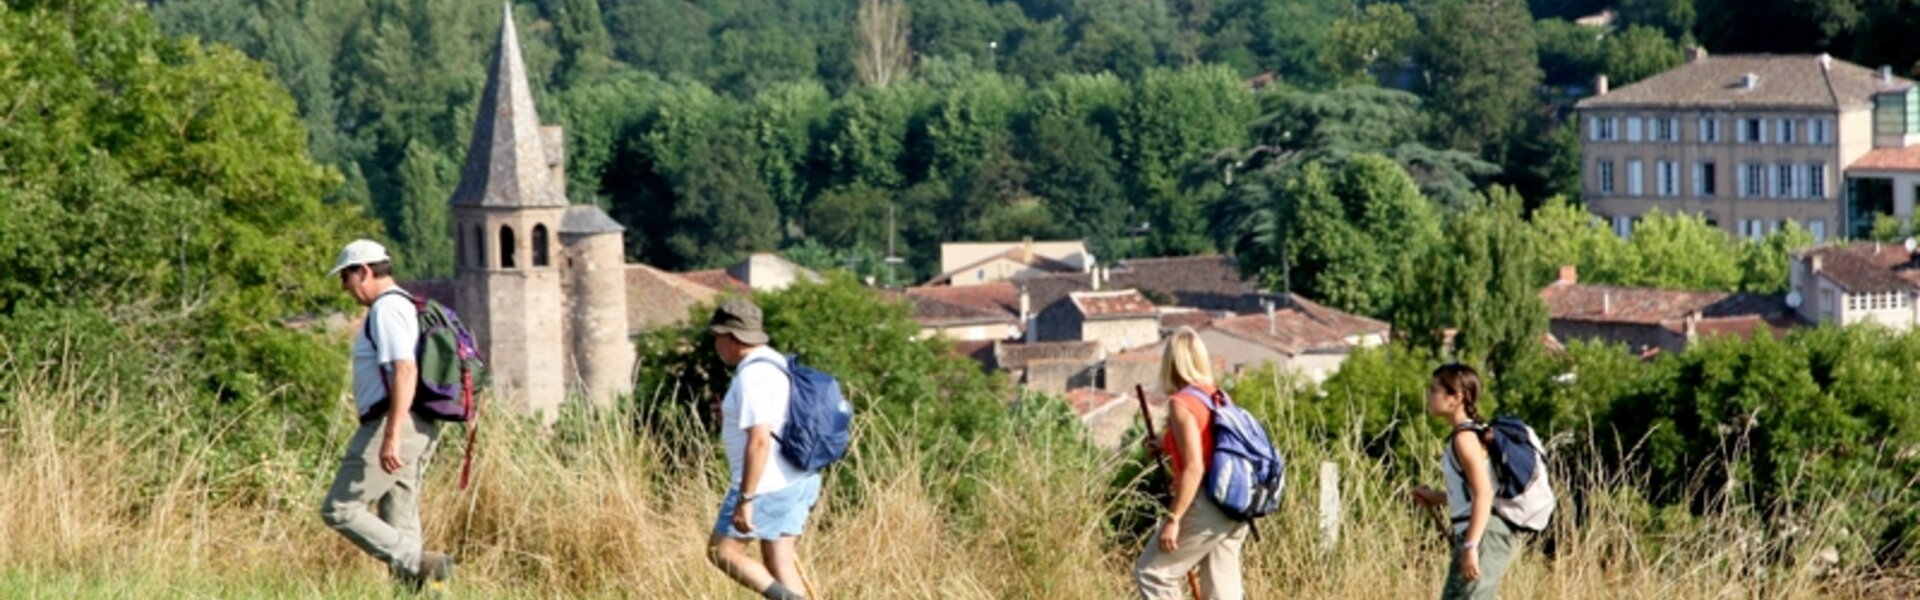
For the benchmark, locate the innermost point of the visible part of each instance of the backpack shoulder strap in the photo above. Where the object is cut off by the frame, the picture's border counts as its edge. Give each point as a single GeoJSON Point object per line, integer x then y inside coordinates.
{"type": "Point", "coordinates": [1474, 427]}
{"type": "Point", "coordinates": [366, 326]}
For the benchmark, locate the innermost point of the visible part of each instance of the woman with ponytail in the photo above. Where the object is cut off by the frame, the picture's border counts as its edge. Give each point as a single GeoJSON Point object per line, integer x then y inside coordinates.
{"type": "Point", "coordinates": [1482, 545]}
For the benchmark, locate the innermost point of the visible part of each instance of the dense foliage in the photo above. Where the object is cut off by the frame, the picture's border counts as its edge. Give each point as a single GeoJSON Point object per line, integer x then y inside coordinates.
{"type": "Point", "coordinates": [718, 127]}
{"type": "Point", "coordinates": [159, 213]}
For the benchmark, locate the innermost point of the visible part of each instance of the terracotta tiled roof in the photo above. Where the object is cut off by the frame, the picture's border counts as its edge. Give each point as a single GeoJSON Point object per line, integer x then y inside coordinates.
{"type": "Point", "coordinates": [1086, 400]}
{"type": "Point", "coordinates": [978, 351]}
{"type": "Point", "coordinates": [718, 279]}
{"type": "Point", "coordinates": [437, 290]}
{"type": "Point", "coordinates": [1299, 327]}
{"type": "Point", "coordinates": [656, 298]}
{"type": "Point", "coordinates": [1120, 304]}
{"type": "Point", "coordinates": [1015, 355]}
{"type": "Point", "coordinates": [1190, 318]}
{"type": "Point", "coordinates": [996, 302]}
{"type": "Point", "coordinates": [1862, 267]}
{"type": "Point", "coordinates": [1889, 159]}
{"type": "Point", "coordinates": [1650, 306]}
{"type": "Point", "coordinates": [1209, 282]}
{"type": "Point", "coordinates": [1784, 82]}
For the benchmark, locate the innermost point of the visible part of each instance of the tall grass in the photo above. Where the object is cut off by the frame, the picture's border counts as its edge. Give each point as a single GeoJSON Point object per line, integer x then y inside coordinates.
{"type": "Point", "coordinates": [109, 496]}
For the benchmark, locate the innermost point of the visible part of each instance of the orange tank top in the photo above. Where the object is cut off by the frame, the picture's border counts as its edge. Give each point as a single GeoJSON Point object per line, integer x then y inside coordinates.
{"type": "Point", "coordinates": [1191, 400]}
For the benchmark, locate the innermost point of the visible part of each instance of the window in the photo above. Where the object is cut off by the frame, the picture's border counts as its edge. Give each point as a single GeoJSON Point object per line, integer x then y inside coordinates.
{"type": "Point", "coordinates": [460, 247]}
{"type": "Point", "coordinates": [1633, 129]}
{"type": "Point", "coordinates": [1751, 180]}
{"type": "Point", "coordinates": [479, 248]}
{"type": "Point", "coordinates": [1709, 130]}
{"type": "Point", "coordinates": [1817, 181]}
{"type": "Point", "coordinates": [1786, 131]}
{"type": "Point", "coordinates": [1703, 179]}
{"type": "Point", "coordinates": [1606, 129]}
{"type": "Point", "coordinates": [1752, 131]}
{"type": "Point", "coordinates": [1623, 227]}
{"type": "Point", "coordinates": [1666, 130]}
{"type": "Point", "coordinates": [1667, 178]}
{"type": "Point", "coordinates": [1606, 177]}
{"type": "Point", "coordinates": [1756, 229]}
{"type": "Point", "coordinates": [1817, 132]}
{"type": "Point", "coordinates": [1818, 228]}
{"type": "Point", "coordinates": [1635, 181]}
{"type": "Point", "coordinates": [539, 245]}
{"type": "Point", "coordinates": [1783, 181]}
{"type": "Point", "coordinates": [506, 247]}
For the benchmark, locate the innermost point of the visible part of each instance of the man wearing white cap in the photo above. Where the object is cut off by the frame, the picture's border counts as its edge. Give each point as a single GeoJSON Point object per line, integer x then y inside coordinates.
{"type": "Point", "coordinates": [387, 455]}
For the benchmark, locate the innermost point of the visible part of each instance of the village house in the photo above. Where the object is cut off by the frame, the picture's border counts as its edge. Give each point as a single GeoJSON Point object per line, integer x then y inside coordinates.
{"type": "Point", "coordinates": [1293, 334]}
{"type": "Point", "coordinates": [1859, 282]}
{"type": "Point", "coordinates": [975, 263]}
{"type": "Point", "coordinates": [1651, 320]}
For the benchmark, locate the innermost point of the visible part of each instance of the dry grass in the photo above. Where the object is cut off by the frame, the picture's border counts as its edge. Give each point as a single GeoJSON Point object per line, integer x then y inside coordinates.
{"type": "Point", "coordinates": [118, 502]}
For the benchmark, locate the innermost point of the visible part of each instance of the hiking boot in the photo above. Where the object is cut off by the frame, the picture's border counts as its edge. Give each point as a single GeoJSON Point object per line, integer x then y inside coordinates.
{"type": "Point", "coordinates": [435, 570]}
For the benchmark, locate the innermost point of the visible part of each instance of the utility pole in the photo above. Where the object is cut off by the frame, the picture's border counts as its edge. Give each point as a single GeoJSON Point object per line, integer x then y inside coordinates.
{"type": "Point", "coordinates": [891, 258]}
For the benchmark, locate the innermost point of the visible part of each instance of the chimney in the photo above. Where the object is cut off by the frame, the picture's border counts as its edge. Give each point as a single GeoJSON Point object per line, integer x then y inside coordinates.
{"type": "Point", "coordinates": [1026, 250]}
{"type": "Point", "coordinates": [1817, 263]}
{"type": "Point", "coordinates": [1696, 54]}
{"type": "Point", "coordinates": [1606, 302]}
{"type": "Point", "coordinates": [1600, 85]}
{"type": "Point", "coordinates": [1273, 327]}
{"type": "Point", "coordinates": [1026, 316]}
{"type": "Point", "coordinates": [1569, 274]}
{"type": "Point", "coordinates": [1693, 326]}
{"type": "Point", "coordinates": [1750, 81]}
{"type": "Point", "coordinates": [1886, 74]}
{"type": "Point", "coordinates": [1095, 277]}
{"type": "Point", "coordinates": [1826, 61]}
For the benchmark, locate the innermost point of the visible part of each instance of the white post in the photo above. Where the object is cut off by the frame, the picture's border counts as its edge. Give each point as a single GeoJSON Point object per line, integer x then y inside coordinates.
{"type": "Point", "coordinates": [1329, 507]}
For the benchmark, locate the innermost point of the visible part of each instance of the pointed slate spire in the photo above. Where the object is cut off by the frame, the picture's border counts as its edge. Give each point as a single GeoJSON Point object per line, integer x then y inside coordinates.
{"type": "Point", "coordinates": [507, 164]}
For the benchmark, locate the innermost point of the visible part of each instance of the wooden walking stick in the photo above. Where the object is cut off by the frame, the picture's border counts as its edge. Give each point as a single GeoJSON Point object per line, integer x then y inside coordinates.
{"type": "Point", "coordinates": [1146, 417]}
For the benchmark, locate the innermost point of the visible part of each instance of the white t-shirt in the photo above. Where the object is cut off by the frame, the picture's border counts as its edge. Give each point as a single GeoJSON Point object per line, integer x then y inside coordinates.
{"type": "Point", "coordinates": [758, 395]}
{"type": "Point", "coordinates": [396, 324]}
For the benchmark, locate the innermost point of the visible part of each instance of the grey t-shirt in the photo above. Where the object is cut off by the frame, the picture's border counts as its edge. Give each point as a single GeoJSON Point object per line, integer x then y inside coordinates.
{"type": "Point", "coordinates": [396, 326]}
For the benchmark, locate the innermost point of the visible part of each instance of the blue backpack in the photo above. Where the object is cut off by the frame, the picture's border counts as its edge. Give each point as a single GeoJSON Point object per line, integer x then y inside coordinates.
{"type": "Point", "coordinates": [819, 418]}
{"type": "Point", "coordinates": [1245, 475]}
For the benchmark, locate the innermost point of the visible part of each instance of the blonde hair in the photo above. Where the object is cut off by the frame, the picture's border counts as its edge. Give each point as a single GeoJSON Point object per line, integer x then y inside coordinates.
{"type": "Point", "coordinates": [1184, 362]}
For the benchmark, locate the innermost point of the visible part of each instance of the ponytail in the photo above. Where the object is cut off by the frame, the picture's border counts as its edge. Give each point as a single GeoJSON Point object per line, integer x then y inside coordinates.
{"type": "Point", "coordinates": [1461, 381]}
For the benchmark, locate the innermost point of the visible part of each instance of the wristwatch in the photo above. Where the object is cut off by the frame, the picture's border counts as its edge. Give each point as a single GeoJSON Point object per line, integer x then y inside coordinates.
{"type": "Point", "coordinates": [748, 498]}
{"type": "Point", "coordinates": [1469, 545]}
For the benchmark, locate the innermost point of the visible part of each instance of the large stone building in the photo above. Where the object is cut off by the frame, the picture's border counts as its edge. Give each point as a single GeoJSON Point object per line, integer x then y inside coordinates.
{"type": "Point", "coordinates": [1753, 141]}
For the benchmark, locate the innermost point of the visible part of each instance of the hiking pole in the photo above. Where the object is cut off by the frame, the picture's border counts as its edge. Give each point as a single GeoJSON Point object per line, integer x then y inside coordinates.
{"type": "Point", "coordinates": [1146, 417]}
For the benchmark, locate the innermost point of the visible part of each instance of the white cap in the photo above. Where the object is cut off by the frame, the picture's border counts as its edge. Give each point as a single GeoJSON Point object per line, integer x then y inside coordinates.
{"type": "Point", "coordinates": [360, 252]}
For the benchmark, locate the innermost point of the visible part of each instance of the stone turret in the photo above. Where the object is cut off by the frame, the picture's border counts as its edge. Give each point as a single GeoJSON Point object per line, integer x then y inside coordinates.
{"type": "Point", "coordinates": [506, 211]}
{"type": "Point", "coordinates": [602, 359]}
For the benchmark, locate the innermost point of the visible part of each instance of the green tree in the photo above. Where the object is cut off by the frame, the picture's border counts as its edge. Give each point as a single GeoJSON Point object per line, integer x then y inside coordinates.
{"type": "Point", "coordinates": [1638, 53]}
{"type": "Point", "coordinates": [781, 123]}
{"type": "Point", "coordinates": [1671, 18]}
{"type": "Point", "coordinates": [1174, 117]}
{"type": "Point", "coordinates": [1482, 70]}
{"type": "Point", "coordinates": [164, 188]}
{"type": "Point", "coordinates": [1570, 54]}
{"type": "Point", "coordinates": [1382, 34]}
{"type": "Point", "coordinates": [1485, 283]}
{"type": "Point", "coordinates": [426, 227]}
{"type": "Point", "coordinates": [1684, 252]}
{"type": "Point", "coordinates": [1571, 236]}
{"type": "Point", "coordinates": [1347, 231]}
{"type": "Point", "coordinates": [721, 210]}
{"type": "Point", "coordinates": [1764, 264]}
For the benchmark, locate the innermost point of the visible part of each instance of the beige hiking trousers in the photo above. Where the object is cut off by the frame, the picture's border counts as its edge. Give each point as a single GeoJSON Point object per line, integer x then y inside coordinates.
{"type": "Point", "coordinates": [393, 534]}
{"type": "Point", "coordinates": [1210, 540]}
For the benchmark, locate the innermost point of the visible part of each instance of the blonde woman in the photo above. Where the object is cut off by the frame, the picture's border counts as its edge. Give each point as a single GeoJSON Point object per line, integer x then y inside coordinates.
{"type": "Point", "coordinates": [1196, 532]}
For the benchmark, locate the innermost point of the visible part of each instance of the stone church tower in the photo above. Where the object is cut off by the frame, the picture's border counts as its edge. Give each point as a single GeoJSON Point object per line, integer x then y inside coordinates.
{"type": "Point", "coordinates": [533, 273]}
